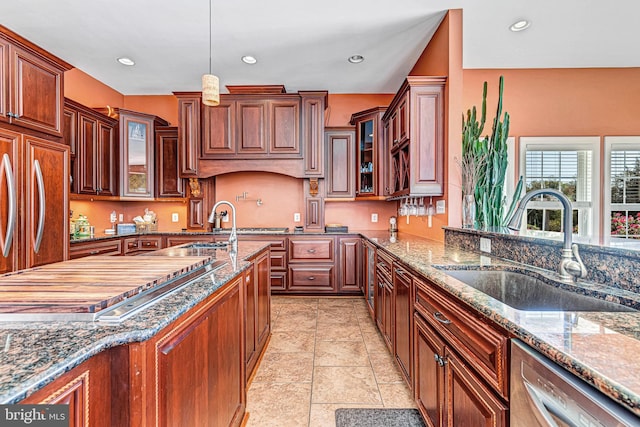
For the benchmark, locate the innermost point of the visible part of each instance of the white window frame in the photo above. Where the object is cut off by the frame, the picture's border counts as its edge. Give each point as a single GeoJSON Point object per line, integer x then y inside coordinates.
{"type": "Point", "coordinates": [612, 143]}
{"type": "Point", "coordinates": [565, 143]}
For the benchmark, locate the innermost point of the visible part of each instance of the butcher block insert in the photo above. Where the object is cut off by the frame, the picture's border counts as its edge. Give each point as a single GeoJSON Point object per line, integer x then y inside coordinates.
{"type": "Point", "coordinates": [89, 285]}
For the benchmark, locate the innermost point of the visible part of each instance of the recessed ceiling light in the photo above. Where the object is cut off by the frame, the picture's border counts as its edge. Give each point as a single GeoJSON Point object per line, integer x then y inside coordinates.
{"type": "Point", "coordinates": [356, 59]}
{"type": "Point", "coordinates": [126, 61]}
{"type": "Point", "coordinates": [248, 59]}
{"type": "Point", "coordinates": [520, 25]}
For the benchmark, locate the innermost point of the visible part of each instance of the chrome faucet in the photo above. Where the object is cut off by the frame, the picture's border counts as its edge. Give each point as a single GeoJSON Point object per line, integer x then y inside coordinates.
{"type": "Point", "coordinates": [570, 269]}
{"type": "Point", "coordinates": [233, 237]}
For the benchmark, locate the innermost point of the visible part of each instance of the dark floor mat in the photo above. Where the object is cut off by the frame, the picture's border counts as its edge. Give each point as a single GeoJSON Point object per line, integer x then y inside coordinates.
{"type": "Point", "coordinates": [378, 417]}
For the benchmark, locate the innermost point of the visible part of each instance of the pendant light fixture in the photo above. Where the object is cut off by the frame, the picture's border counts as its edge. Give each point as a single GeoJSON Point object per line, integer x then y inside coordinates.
{"type": "Point", "coordinates": [210, 83]}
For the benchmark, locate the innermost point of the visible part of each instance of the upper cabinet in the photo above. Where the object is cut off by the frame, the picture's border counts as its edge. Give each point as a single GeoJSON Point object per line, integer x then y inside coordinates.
{"type": "Point", "coordinates": [413, 128]}
{"type": "Point", "coordinates": [168, 180]}
{"type": "Point", "coordinates": [340, 143]}
{"type": "Point", "coordinates": [31, 85]}
{"type": "Point", "coordinates": [137, 148]}
{"type": "Point", "coordinates": [93, 137]}
{"type": "Point", "coordinates": [251, 130]}
{"type": "Point", "coordinates": [371, 160]}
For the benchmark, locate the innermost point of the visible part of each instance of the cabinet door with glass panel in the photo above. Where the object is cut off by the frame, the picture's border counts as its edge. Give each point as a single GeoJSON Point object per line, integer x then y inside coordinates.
{"type": "Point", "coordinates": [371, 162]}
{"type": "Point", "coordinates": [137, 153]}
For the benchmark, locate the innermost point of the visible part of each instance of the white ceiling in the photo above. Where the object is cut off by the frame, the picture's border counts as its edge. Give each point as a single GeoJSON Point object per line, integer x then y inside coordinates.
{"type": "Point", "coordinates": [304, 45]}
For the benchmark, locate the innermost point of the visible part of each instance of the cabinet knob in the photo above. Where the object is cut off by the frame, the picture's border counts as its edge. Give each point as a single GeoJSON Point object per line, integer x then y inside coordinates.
{"type": "Point", "coordinates": [311, 278]}
{"type": "Point", "coordinates": [311, 251]}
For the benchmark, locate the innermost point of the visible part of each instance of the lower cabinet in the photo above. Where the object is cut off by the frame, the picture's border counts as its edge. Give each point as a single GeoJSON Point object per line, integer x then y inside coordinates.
{"type": "Point", "coordinates": [195, 367]}
{"type": "Point", "coordinates": [403, 320]}
{"type": "Point", "coordinates": [258, 310]}
{"type": "Point", "coordinates": [86, 389]}
{"type": "Point", "coordinates": [349, 265]}
{"type": "Point", "coordinates": [141, 244]}
{"type": "Point", "coordinates": [102, 247]}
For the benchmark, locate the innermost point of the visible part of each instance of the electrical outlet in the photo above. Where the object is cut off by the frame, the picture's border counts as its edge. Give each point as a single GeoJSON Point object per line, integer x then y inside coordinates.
{"type": "Point", "coordinates": [374, 217]}
{"type": "Point", "coordinates": [296, 217]}
{"type": "Point", "coordinates": [440, 206]}
{"type": "Point", "coordinates": [485, 245]}
{"type": "Point", "coordinates": [225, 218]}
{"type": "Point", "coordinates": [121, 218]}
{"type": "Point", "coordinates": [174, 217]}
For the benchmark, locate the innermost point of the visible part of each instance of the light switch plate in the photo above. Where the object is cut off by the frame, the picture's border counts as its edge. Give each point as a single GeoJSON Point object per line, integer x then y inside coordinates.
{"type": "Point", "coordinates": [121, 217]}
{"type": "Point", "coordinates": [296, 217]}
{"type": "Point", "coordinates": [374, 217]}
{"type": "Point", "coordinates": [174, 217]}
{"type": "Point", "coordinates": [440, 206]}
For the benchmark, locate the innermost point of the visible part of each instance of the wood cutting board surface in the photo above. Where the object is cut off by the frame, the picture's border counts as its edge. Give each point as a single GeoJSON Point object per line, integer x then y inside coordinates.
{"type": "Point", "coordinates": [87, 285]}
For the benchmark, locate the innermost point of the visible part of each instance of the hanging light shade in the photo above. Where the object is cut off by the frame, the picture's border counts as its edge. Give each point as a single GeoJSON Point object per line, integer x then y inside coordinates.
{"type": "Point", "coordinates": [210, 83]}
{"type": "Point", "coordinates": [210, 90]}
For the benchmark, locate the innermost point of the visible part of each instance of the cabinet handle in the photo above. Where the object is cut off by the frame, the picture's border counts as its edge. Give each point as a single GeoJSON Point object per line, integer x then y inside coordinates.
{"type": "Point", "coordinates": [441, 361]}
{"type": "Point", "coordinates": [13, 115]}
{"type": "Point", "coordinates": [12, 208]}
{"type": "Point", "coordinates": [399, 272]}
{"type": "Point", "coordinates": [93, 252]}
{"type": "Point", "coordinates": [440, 318]}
{"type": "Point", "coordinates": [43, 204]}
{"type": "Point", "coordinates": [311, 251]}
{"type": "Point", "coordinates": [311, 278]}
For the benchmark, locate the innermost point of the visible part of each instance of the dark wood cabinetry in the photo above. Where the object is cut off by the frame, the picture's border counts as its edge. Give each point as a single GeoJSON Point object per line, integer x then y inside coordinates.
{"type": "Point", "coordinates": [258, 309]}
{"type": "Point", "coordinates": [96, 145]}
{"type": "Point", "coordinates": [349, 265]}
{"type": "Point", "coordinates": [219, 129]}
{"type": "Point", "coordinates": [105, 247]}
{"type": "Point", "coordinates": [189, 120]}
{"type": "Point", "coordinates": [341, 163]}
{"type": "Point", "coordinates": [369, 275]}
{"type": "Point", "coordinates": [384, 297]}
{"type": "Point", "coordinates": [313, 106]}
{"type": "Point", "coordinates": [371, 154]}
{"type": "Point", "coordinates": [455, 355]}
{"type": "Point", "coordinates": [31, 85]}
{"type": "Point", "coordinates": [140, 244]}
{"type": "Point", "coordinates": [311, 265]}
{"type": "Point", "coordinates": [403, 320]}
{"type": "Point", "coordinates": [168, 180]}
{"type": "Point", "coordinates": [414, 131]}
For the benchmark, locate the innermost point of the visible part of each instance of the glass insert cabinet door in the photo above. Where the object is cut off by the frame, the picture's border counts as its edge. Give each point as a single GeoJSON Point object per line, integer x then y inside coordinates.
{"type": "Point", "coordinates": [367, 161]}
{"type": "Point", "coordinates": [136, 148]}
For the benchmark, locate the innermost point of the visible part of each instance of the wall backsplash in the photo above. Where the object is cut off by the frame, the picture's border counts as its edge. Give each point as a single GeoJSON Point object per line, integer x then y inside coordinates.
{"type": "Point", "coordinates": [614, 267]}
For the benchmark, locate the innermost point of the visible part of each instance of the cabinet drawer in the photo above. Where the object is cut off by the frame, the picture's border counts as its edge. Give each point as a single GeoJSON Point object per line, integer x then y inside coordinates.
{"type": "Point", "coordinates": [479, 343]}
{"type": "Point", "coordinates": [311, 278]}
{"type": "Point", "coordinates": [383, 264]}
{"type": "Point", "coordinates": [181, 240]}
{"type": "Point", "coordinates": [278, 281]}
{"type": "Point", "coordinates": [136, 244]}
{"type": "Point", "coordinates": [278, 260]}
{"type": "Point", "coordinates": [109, 247]}
{"type": "Point", "coordinates": [320, 250]}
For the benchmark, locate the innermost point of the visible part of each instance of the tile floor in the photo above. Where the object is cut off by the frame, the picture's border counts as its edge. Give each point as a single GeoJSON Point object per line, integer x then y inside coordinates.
{"type": "Point", "coordinates": [325, 353]}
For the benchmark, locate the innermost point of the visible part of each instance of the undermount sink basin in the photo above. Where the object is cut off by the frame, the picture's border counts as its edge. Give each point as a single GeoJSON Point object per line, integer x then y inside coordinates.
{"type": "Point", "coordinates": [206, 245]}
{"type": "Point", "coordinates": [526, 292]}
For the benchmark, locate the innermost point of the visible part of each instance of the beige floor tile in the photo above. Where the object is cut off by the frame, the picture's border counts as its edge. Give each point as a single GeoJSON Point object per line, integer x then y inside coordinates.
{"type": "Point", "coordinates": [396, 395]}
{"type": "Point", "coordinates": [385, 368]}
{"type": "Point", "coordinates": [324, 414]}
{"type": "Point", "coordinates": [285, 367]}
{"type": "Point", "coordinates": [294, 321]}
{"type": "Point", "coordinates": [281, 299]}
{"type": "Point", "coordinates": [341, 353]}
{"type": "Point", "coordinates": [374, 342]}
{"type": "Point", "coordinates": [328, 319]}
{"type": "Point", "coordinates": [336, 302]}
{"type": "Point", "coordinates": [278, 405]}
{"type": "Point", "coordinates": [293, 341]}
{"type": "Point", "coordinates": [349, 384]}
{"type": "Point", "coordinates": [333, 332]}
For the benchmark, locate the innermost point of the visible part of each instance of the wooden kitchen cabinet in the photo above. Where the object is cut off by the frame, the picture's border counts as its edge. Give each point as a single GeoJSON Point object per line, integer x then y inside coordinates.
{"type": "Point", "coordinates": [86, 389]}
{"type": "Point", "coordinates": [31, 85]}
{"type": "Point", "coordinates": [99, 247]}
{"type": "Point", "coordinates": [341, 163]}
{"type": "Point", "coordinates": [140, 244]}
{"type": "Point", "coordinates": [414, 131]}
{"type": "Point", "coordinates": [469, 384]}
{"type": "Point", "coordinates": [219, 129]}
{"type": "Point", "coordinates": [169, 183]}
{"type": "Point", "coordinates": [284, 132]}
{"type": "Point", "coordinates": [371, 154]}
{"type": "Point", "coordinates": [369, 275]}
{"type": "Point", "coordinates": [195, 368]}
{"type": "Point", "coordinates": [384, 301]}
{"type": "Point", "coordinates": [189, 131]}
{"type": "Point", "coordinates": [181, 240]}
{"type": "Point", "coordinates": [312, 120]}
{"type": "Point", "coordinates": [311, 265]}
{"type": "Point", "coordinates": [258, 310]}
{"type": "Point", "coordinates": [96, 144]}
{"type": "Point", "coordinates": [277, 259]}
{"type": "Point", "coordinates": [252, 122]}
{"type": "Point", "coordinates": [349, 265]}
{"type": "Point", "coordinates": [403, 320]}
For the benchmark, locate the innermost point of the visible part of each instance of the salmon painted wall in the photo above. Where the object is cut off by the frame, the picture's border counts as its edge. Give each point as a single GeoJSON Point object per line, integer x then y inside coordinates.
{"type": "Point", "coordinates": [342, 106]}
{"type": "Point", "coordinates": [164, 106]}
{"type": "Point", "coordinates": [357, 215]}
{"type": "Point", "coordinates": [88, 91]}
{"type": "Point", "coordinates": [98, 212]}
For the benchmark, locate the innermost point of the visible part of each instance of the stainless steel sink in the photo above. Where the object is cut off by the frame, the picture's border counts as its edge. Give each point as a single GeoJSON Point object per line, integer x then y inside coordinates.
{"type": "Point", "coordinates": [526, 292]}
{"type": "Point", "coordinates": [205, 245]}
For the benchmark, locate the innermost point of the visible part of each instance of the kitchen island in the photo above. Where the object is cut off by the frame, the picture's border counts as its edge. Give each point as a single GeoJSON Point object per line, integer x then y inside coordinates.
{"type": "Point", "coordinates": [146, 366]}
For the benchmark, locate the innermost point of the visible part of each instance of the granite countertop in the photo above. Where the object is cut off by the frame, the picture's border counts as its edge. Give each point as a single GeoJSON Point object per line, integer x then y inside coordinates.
{"type": "Point", "coordinates": [601, 348]}
{"type": "Point", "coordinates": [32, 354]}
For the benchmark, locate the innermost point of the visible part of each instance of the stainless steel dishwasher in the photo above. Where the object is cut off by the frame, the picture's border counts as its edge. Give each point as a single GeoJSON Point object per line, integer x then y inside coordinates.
{"type": "Point", "coordinates": [544, 394]}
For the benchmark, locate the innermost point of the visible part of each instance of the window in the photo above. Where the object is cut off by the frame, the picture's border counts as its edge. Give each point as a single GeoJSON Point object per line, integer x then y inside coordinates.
{"type": "Point", "coordinates": [567, 164]}
{"type": "Point", "coordinates": [622, 191]}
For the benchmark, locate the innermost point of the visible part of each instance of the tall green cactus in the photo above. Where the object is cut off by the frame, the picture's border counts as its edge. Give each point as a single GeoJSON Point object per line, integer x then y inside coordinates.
{"type": "Point", "coordinates": [490, 199]}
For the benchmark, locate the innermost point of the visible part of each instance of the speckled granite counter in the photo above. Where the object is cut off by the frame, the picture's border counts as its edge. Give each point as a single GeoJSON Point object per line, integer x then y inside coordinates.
{"type": "Point", "coordinates": [601, 348]}
{"type": "Point", "coordinates": [32, 354]}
